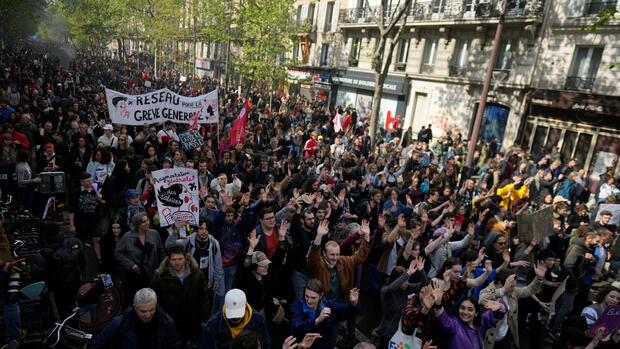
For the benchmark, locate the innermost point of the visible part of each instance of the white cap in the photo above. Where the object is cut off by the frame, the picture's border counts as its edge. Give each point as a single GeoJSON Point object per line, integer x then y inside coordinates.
{"type": "Point", "coordinates": [108, 127]}
{"type": "Point", "coordinates": [235, 303]}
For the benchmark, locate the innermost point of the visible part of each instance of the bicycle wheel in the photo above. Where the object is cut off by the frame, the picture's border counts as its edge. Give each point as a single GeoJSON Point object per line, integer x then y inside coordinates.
{"type": "Point", "coordinates": [107, 308]}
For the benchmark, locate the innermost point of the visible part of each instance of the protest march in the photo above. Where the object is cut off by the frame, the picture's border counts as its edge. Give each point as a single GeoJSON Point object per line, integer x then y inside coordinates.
{"type": "Point", "coordinates": [165, 215]}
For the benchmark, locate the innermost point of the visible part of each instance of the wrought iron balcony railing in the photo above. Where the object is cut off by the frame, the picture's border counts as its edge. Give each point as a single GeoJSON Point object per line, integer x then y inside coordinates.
{"type": "Point", "coordinates": [429, 10]}
{"type": "Point", "coordinates": [579, 83]}
{"type": "Point", "coordinates": [594, 7]}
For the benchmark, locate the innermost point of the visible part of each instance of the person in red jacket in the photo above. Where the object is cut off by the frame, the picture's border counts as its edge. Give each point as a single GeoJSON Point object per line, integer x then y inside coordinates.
{"type": "Point", "coordinates": [19, 139]}
{"type": "Point", "coordinates": [311, 144]}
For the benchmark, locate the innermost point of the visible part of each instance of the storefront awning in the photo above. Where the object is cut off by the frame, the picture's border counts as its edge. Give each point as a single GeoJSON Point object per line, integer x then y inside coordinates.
{"type": "Point", "coordinates": [598, 104]}
{"type": "Point", "coordinates": [393, 84]}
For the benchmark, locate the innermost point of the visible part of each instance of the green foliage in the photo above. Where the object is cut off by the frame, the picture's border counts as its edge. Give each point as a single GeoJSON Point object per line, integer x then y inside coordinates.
{"type": "Point", "coordinates": [602, 18]}
{"type": "Point", "coordinates": [19, 19]}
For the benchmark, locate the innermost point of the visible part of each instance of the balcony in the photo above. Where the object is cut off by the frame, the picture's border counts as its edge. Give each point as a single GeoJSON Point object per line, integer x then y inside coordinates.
{"type": "Point", "coordinates": [576, 83]}
{"type": "Point", "coordinates": [432, 10]}
{"type": "Point", "coordinates": [594, 7]}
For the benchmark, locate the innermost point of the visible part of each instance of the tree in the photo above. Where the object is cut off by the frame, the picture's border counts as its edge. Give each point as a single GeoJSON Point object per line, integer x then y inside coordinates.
{"type": "Point", "coordinates": [389, 31]}
{"type": "Point", "coordinates": [261, 30]}
{"type": "Point", "coordinates": [19, 19]}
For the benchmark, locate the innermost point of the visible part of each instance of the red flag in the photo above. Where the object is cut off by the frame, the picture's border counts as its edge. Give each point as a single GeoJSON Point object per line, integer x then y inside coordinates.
{"type": "Point", "coordinates": [193, 121]}
{"type": "Point", "coordinates": [389, 121]}
{"type": "Point", "coordinates": [237, 131]}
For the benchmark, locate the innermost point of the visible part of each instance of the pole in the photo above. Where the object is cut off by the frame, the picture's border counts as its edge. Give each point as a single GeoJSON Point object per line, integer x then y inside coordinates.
{"type": "Point", "coordinates": [485, 91]}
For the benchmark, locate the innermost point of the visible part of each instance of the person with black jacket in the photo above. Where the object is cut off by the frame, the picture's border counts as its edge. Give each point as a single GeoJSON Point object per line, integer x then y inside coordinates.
{"type": "Point", "coordinates": [182, 290]}
{"type": "Point", "coordinates": [143, 326]}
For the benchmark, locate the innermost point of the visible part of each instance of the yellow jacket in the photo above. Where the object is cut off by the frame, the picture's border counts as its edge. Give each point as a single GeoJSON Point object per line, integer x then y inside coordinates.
{"type": "Point", "coordinates": [515, 194]}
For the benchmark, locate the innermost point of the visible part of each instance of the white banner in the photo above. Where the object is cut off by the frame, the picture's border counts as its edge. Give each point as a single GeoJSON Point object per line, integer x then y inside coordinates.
{"type": "Point", "coordinates": [159, 106]}
{"type": "Point", "coordinates": [176, 191]}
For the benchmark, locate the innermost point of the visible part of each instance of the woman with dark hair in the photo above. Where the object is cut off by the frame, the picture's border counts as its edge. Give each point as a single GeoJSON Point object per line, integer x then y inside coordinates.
{"type": "Point", "coordinates": [25, 182]}
{"type": "Point", "coordinates": [605, 297]}
{"type": "Point", "coordinates": [101, 165]}
{"type": "Point", "coordinates": [108, 245]}
{"type": "Point", "coordinates": [468, 328]}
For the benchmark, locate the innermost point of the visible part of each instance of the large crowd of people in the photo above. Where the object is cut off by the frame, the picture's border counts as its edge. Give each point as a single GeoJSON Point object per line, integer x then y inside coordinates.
{"type": "Point", "coordinates": [305, 233]}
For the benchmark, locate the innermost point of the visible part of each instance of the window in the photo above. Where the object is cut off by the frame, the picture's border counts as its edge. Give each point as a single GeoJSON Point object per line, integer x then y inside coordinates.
{"type": "Point", "coordinates": [354, 56]}
{"type": "Point", "coordinates": [329, 13]}
{"type": "Point", "coordinates": [438, 6]}
{"type": "Point", "coordinates": [460, 58]}
{"type": "Point", "coordinates": [462, 53]}
{"type": "Point", "coordinates": [403, 50]}
{"type": "Point", "coordinates": [325, 55]}
{"type": "Point", "coordinates": [584, 68]}
{"type": "Point", "coordinates": [596, 6]}
{"type": "Point", "coordinates": [430, 52]}
{"type": "Point", "coordinates": [299, 9]}
{"type": "Point", "coordinates": [505, 55]}
{"type": "Point", "coordinates": [310, 19]}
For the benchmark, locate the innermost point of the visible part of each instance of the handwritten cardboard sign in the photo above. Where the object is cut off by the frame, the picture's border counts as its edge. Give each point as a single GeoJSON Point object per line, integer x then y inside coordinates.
{"type": "Point", "coordinates": [536, 225]}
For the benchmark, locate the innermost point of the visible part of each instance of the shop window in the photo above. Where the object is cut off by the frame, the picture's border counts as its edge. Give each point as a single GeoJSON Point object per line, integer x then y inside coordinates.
{"type": "Point", "coordinates": [605, 155]}
{"type": "Point", "coordinates": [583, 148]}
{"type": "Point", "coordinates": [540, 135]}
{"type": "Point", "coordinates": [584, 68]}
{"type": "Point", "coordinates": [505, 55]}
{"type": "Point", "coordinates": [554, 138]}
{"type": "Point", "coordinates": [568, 143]}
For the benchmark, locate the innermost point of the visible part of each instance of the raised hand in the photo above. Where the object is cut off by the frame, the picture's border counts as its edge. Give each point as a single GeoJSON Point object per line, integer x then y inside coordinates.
{"type": "Point", "coordinates": [253, 239]}
{"type": "Point", "coordinates": [524, 264]}
{"type": "Point", "coordinates": [283, 230]}
{"type": "Point", "coordinates": [309, 339]}
{"type": "Point", "coordinates": [323, 228]}
{"type": "Point", "coordinates": [540, 269]}
{"type": "Point", "coordinates": [354, 295]}
{"type": "Point", "coordinates": [402, 224]}
{"type": "Point", "coordinates": [426, 297]}
{"type": "Point", "coordinates": [471, 229]}
{"type": "Point", "coordinates": [421, 262]}
{"type": "Point", "coordinates": [437, 292]}
{"type": "Point", "coordinates": [412, 266]}
{"type": "Point", "coordinates": [506, 256]}
{"type": "Point", "coordinates": [488, 266]}
{"type": "Point", "coordinates": [325, 313]}
{"type": "Point", "coordinates": [429, 345]}
{"type": "Point", "coordinates": [380, 220]}
{"type": "Point", "coordinates": [492, 305]}
{"type": "Point", "coordinates": [365, 229]}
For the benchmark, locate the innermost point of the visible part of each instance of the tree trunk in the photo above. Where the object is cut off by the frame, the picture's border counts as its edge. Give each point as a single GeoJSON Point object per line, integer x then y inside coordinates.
{"type": "Point", "coordinates": [376, 107]}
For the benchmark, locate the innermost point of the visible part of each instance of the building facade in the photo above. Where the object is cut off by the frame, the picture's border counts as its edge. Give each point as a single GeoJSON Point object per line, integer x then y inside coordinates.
{"type": "Point", "coordinates": [550, 86]}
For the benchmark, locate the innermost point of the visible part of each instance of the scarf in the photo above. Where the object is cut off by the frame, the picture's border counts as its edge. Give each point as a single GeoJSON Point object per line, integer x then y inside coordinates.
{"type": "Point", "coordinates": [312, 312]}
{"type": "Point", "coordinates": [236, 329]}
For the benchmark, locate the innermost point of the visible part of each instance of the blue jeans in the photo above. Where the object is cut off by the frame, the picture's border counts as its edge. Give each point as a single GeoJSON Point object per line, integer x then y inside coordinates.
{"type": "Point", "coordinates": [12, 321]}
{"type": "Point", "coordinates": [225, 286]}
{"type": "Point", "coordinates": [299, 282]}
